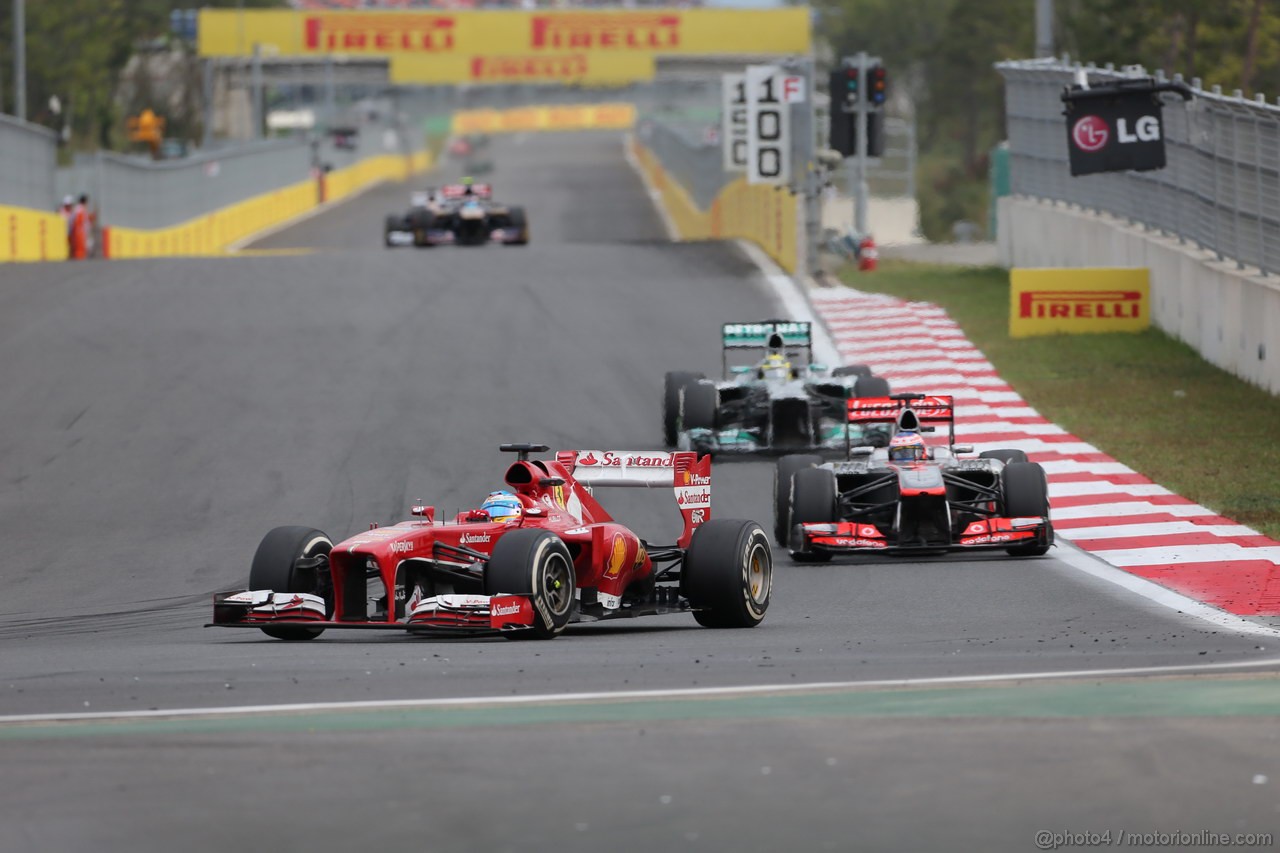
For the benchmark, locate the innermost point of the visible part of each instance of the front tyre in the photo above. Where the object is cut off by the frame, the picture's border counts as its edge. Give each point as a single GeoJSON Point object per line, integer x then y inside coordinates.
{"type": "Point", "coordinates": [698, 406]}
{"type": "Point", "coordinates": [813, 501]}
{"type": "Point", "coordinates": [672, 384]}
{"type": "Point", "coordinates": [783, 472]}
{"type": "Point", "coordinates": [1026, 495]}
{"type": "Point", "coordinates": [535, 564]}
{"type": "Point", "coordinates": [293, 559]}
{"type": "Point", "coordinates": [728, 573]}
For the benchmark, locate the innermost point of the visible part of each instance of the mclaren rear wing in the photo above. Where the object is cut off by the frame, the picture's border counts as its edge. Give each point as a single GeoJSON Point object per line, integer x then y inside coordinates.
{"type": "Point", "coordinates": [788, 337]}
{"type": "Point", "coordinates": [916, 412]}
{"type": "Point", "coordinates": [683, 472]}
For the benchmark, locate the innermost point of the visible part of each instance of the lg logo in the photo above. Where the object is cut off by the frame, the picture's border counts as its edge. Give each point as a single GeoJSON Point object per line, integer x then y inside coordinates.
{"type": "Point", "coordinates": [1091, 133]}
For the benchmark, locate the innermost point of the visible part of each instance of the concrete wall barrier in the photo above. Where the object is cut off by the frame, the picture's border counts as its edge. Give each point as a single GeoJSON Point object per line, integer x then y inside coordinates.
{"type": "Point", "coordinates": [762, 214]}
{"type": "Point", "coordinates": [1229, 315]}
{"type": "Point", "coordinates": [213, 233]}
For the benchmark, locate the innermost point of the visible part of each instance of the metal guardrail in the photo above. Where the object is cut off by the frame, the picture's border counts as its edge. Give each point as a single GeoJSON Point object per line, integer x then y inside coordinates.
{"type": "Point", "coordinates": [28, 155]}
{"type": "Point", "coordinates": [1220, 189]}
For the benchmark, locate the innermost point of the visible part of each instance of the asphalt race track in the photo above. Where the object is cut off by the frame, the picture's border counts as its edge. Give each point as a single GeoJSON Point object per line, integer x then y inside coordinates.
{"type": "Point", "coordinates": [161, 415]}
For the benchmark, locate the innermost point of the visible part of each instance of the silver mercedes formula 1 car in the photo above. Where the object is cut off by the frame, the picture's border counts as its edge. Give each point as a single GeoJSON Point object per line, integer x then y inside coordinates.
{"type": "Point", "coordinates": [780, 401]}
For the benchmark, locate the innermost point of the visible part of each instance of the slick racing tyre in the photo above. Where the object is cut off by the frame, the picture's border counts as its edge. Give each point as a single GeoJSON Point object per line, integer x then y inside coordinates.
{"type": "Point", "coordinates": [698, 406]}
{"type": "Point", "coordinates": [517, 220]}
{"type": "Point", "coordinates": [851, 370]}
{"type": "Point", "coordinates": [872, 386]}
{"type": "Point", "coordinates": [672, 384]}
{"type": "Point", "coordinates": [293, 559]}
{"type": "Point", "coordinates": [421, 222]}
{"type": "Point", "coordinates": [782, 473]}
{"type": "Point", "coordinates": [1005, 456]}
{"type": "Point", "coordinates": [728, 573]}
{"type": "Point", "coordinates": [534, 563]}
{"type": "Point", "coordinates": [813, 501]}
{"type": "Point", "coordinates": [393, 223]}
{"type": "Point", "coordinates": [1026, 494]}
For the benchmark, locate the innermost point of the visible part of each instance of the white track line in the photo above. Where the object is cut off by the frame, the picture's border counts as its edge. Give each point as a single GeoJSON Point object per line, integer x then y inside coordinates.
{"type": "Point", "coordinates": [639, 695]}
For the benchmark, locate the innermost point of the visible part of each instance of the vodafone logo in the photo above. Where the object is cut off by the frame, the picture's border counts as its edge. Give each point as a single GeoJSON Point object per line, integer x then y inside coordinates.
{"type": "Point", "coordinates": [1090, 133]}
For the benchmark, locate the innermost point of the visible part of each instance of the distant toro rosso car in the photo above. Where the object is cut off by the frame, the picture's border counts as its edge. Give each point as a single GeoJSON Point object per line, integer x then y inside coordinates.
{"type": "Point", "coordinates": [457, 214]}
{"type": "Point", "coordinates": [911, 497]}
{"type": "Point", "coordinates": [780, 401]}
{"type": "Point", "coordinates": [551, 557]}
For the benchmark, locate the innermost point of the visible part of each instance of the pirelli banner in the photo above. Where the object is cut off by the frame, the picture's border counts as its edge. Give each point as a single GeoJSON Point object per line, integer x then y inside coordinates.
{"type": "Point", "coordinates": [1078, 301]}
{"type": "Point", "coordinates": [603, 46]}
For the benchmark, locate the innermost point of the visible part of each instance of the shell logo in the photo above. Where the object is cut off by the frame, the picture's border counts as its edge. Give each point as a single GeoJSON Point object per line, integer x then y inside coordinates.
{"type": "Point", "coordinates": [617, 556]}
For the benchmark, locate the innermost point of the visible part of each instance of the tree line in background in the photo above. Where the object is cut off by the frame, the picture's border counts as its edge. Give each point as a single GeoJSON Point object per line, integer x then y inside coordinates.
{"type": "Point", "coordinates": [78, 50]}
{"type": "Point", "coordinates": [941, 54]}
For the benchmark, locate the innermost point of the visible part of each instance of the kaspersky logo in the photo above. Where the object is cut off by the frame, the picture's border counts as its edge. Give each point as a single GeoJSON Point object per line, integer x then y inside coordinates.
{"type": "Point", "coordinates": [1080, 304]}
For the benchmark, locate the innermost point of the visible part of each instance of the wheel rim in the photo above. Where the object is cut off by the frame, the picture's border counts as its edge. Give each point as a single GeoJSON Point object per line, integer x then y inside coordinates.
{"type": "Point", "coordinates": [759, 574]}
{"type": "Point", "coordinates": [557, 584]}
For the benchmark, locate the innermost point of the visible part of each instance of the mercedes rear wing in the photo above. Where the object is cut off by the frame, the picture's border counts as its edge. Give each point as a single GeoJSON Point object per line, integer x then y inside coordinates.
{"type": "Point", "coordinates": [682, 471]}
{"type": "Point", "coordinates": [786, 337]}
{"type": "Point", "coordinates": [915, 412]}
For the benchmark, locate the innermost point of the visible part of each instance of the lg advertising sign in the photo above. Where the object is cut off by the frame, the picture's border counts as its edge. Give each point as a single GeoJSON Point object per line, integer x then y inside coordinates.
{"type": "Point", "coordinates": [1115, 128]}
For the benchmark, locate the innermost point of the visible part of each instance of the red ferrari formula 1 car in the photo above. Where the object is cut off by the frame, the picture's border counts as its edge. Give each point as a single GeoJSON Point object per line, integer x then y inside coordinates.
{"type": "Point", "coordinates": [526, 564]}
{"type": "Point", "coordinates": [912, 497]}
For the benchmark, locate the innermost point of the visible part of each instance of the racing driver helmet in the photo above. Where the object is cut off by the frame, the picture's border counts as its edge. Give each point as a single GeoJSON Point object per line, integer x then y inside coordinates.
{"type": "Point", "coordinates": [503, 506]}
{"type": "Point", "coordinates": [907, 447]}
{"type": "Point", "coordinates": [775, 366]}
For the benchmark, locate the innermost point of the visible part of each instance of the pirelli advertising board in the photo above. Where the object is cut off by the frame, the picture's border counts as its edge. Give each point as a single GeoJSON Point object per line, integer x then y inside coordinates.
{"type": "Point", "coordinates": [508, 46]}
{"type": "Point", "coordinates": [1078, 301]}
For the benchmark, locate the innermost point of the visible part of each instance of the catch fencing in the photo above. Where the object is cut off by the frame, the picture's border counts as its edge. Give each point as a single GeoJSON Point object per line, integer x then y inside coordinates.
{"type": "Point", "coordinates": [26, 169]}
{"type": "Point", "coordinates": [1220, 189]}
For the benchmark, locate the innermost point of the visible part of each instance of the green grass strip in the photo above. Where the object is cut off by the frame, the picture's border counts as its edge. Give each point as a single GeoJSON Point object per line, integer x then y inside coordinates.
{"type": "Point", "coordinates": [1174, 697]}
{"type": "Point", "coordinates": [1145, 399]}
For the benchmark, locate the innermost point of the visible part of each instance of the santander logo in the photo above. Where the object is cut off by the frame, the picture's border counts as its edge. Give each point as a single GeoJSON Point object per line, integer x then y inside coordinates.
{"type": "Point", "coordinates": [589, 459]}
{"type": "Point", "coordinates": [1090, 133]}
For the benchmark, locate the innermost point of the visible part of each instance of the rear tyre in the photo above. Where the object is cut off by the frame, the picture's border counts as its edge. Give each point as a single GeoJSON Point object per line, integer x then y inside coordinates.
{"type": "Point", "coordinates": [392, 223]}
{"type": "Point", "coordinates": [288, 560]}
{"type": "Point", "coordinates": [813, 501]}
{"type": "Point", "coordinates": [698, 406]}
{"type": "Point", "coordinates": [782, 473]}
{"type": "Point", "coordinates": [1005, 456]}
{"type": "Point", "coordinates": [672, 384]}
{"type": "Point", "coordinates": [1026, 494]}
{"type": "Point", "coordinates": [872, 386]}
{"type": "Point", "coordinates": [534, 563]}
{"type": "Point", "coordinates": [518, 221]}
{"type": "Point", "coordinates": [728, 573]}
{"type": "Point", "coordinates": [852, 370]}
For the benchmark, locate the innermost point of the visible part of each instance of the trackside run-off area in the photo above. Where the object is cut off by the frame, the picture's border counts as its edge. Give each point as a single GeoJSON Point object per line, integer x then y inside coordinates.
{"type": "Point", "coordinates": [1100, 505]}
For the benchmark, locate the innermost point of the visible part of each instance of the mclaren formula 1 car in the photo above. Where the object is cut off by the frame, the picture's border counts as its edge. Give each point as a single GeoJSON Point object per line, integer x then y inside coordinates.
{"type": "Point", "coordinates": [911, 497]}
{"type": "Point", "coordinates": [780, 402]}
{"type": "Point", "coordinates": [526, 564]}
{"type": "Point", "coordinates": [457, 214]}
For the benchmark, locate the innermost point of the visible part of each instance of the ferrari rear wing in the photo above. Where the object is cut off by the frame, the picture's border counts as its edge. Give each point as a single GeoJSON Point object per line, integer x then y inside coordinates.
{"type": "Point", "coordinates": [688, 476]}
{"type": "Point", "coordinates": [906, 411]}
{"type": "Point", "coordinates": [781, 336]}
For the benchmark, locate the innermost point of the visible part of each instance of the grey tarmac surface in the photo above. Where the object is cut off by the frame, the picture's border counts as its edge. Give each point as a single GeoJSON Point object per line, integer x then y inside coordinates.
{"type": "Point", "coordinates": [161, 415]}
